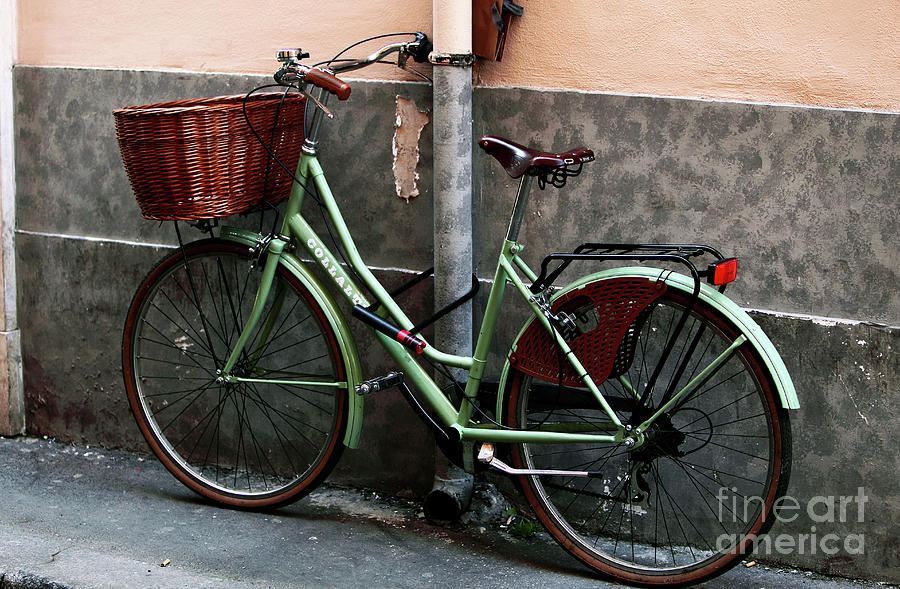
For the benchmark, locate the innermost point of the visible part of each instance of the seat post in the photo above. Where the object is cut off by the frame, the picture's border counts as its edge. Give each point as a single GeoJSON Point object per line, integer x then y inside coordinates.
{"type": "Point", "coordinates": [519, 207]}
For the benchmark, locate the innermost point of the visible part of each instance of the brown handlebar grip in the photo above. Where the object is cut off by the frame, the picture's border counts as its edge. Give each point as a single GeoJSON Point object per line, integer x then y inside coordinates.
{"type": "Point", "coordinates": [329, 82]}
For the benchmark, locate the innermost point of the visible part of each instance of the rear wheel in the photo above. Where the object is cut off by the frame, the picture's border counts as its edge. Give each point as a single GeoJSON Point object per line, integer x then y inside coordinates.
{"type": "Point", "coordinates": [242, 443]}
{"type": "Point", "coordinates": [691, 500]}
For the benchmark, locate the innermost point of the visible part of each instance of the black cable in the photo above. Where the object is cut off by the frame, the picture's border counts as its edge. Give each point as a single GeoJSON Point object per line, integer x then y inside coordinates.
{"type": "Point", "coordinates": [306, 119]}
{"type": "Point", "coordinates": [349, 47]}
{"type": "Point", "coordinates": [340, 250]}
{"type": "Point", "coordinates": [266, 147]}
{"type": "Point", "coordinates": [271, 139]}
{"type": "Point", "coordinates": [269, 161]}
{"type": "Point", "coordinates": [348, 60]}
{"type": "Point", "coordinates": [306, 189]}
{"type": "Point", "coordinates": [464, 398]}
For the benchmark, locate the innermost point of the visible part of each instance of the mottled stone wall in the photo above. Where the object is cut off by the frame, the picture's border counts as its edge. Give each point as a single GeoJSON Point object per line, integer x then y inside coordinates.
{"type": "Point", "coordinates": [804, 197]}
{"type": "Point", "coordinates": [84, 248]}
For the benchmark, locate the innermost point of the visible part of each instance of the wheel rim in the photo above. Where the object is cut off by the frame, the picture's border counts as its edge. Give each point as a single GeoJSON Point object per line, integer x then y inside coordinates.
{"type": "Point", "coordinates": [691, 499]}
{"type": "Point", "coordinates": [237, 441]}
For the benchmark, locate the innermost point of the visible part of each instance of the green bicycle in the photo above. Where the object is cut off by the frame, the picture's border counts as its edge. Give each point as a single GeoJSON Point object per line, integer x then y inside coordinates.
{"type": "Point", "coordinates": [632, 402]}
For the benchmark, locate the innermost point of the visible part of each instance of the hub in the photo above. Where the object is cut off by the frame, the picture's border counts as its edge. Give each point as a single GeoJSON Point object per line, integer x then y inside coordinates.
{"type": "Point", "coordinates": [660, 439]}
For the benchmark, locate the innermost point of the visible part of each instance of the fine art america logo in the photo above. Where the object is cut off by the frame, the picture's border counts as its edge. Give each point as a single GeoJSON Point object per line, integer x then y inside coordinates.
{"type": "Point", "coordinates": [820, 509]}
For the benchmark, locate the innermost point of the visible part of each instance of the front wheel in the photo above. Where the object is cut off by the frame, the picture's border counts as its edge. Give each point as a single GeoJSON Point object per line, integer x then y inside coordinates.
{"type": "Point", "coordinates": [259, 442]}
{"type": "Point", "coordinates": [693, 498]}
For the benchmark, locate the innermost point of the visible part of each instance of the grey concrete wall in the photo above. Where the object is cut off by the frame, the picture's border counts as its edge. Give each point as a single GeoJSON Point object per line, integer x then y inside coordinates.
{"type": "Point", "coordinates": [805, 197]}
{"type": "Point", "coordinates": [84, 249]}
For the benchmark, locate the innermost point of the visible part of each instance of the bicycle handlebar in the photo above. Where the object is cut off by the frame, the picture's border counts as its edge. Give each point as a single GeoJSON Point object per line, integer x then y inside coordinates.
{"type": "Point", "coordinates": [329, 82]}
{"type": "Point", "coordinates": [292, 71]}
{"type": "Point", "coordinates": [419, 49]}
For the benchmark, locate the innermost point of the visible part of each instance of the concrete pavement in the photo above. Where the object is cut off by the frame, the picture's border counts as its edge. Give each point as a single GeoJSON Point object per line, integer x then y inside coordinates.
{"type": "Point", "coordinates": [85, 517]}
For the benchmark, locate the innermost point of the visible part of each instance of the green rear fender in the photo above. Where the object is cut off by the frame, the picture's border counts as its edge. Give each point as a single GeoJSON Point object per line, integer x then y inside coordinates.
{"type": "Point", "coordinates": [336, 320]}
{"type": "Point", "coordinates": [757, 338]}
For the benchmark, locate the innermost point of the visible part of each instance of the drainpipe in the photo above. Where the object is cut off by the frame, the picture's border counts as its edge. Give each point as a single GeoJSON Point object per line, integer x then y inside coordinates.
{"type": "Point", "coordinates": [452, 73]}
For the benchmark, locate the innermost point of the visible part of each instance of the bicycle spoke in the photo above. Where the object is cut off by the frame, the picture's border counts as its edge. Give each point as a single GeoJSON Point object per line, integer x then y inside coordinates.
{"type": "Point", "coordinates": [217, 312]}
{"type": "Point", "coordinates": [199, 342]}
{"type": "Point", "coordinates": [286, 446]}
{"type": "Point", "coordinates": [239, 441]}
{"type": "Point", "coordinates": [182, 320]}
{"type": "Point", "coordinates": [172, 363]}
{"type": "Point", "coordinates": [281, 332]}
{"type": "Point", "coordinates": [203, 420]}
{"type": "Point", "coordinates": [652, 513]}
{"type": "Point", "coordinates": [270, 353]}
{"type": "Point", "coordinates": [175, 346]}
{"type": "Point", "coordinates": [184, 393]}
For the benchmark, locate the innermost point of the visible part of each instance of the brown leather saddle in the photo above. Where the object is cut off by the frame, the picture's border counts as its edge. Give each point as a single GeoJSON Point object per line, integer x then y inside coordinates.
{"type": "Point", "coordinates": [518, 160]}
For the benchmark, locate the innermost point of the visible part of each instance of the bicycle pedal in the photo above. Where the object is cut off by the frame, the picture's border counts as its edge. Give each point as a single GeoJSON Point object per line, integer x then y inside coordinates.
{"type": "Point", "coordinates": [379, 384]}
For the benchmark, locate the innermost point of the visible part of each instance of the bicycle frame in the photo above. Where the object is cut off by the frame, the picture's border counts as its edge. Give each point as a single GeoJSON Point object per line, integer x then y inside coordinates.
{"type": "Point", "coordinates": [510, 269]}
{"type": "Point", "coordinates": [448, 416]}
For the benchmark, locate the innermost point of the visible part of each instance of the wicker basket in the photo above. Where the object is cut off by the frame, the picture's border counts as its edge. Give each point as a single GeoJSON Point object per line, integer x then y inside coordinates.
{"type": "Point", "coordinates": [198, 159]}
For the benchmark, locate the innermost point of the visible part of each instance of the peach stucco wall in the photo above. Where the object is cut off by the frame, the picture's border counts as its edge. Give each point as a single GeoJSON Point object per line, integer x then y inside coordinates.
{"type": "Point", "coordinates": [816, 52]}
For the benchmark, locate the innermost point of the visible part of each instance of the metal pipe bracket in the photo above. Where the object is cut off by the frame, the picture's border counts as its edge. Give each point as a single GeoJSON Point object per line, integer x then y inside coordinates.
{"type": "Point", "coordinates": [454, 59]}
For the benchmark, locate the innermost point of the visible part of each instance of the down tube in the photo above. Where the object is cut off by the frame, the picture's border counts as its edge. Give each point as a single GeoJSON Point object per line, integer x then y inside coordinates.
{"type": "Point", "coordinates": [356, 262]}
{"type": "Point", "coordinates": [433, 397]}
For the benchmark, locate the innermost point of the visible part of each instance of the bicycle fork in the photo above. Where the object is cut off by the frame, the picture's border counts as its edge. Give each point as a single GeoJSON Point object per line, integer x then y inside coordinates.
{"type": "Point", "coordinates": [275, 247]}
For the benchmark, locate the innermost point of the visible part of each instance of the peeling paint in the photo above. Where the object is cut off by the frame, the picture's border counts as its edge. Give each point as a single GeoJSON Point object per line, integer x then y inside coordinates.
{"type": "Point", "coordinates": [408, 127]}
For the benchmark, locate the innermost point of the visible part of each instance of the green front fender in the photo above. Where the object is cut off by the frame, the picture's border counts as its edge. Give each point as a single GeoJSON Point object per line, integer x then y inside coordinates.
{"type": "Point", "coordinates": [336, 320]}
{"type": "Point", "coordinates": [755, 335]}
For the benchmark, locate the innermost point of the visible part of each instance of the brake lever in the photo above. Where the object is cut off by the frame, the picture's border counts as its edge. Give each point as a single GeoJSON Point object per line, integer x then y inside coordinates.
{"type": "Point", "coordinates": [294, 78]}
{"type": "Point", "coordinates": [423, 47]}
{"type": "Point", "coordinates": [318, 103]}
{"type": "Point", "coordinates": [418, 50]}
{"type": "Point", "coordinates": [402, 58]}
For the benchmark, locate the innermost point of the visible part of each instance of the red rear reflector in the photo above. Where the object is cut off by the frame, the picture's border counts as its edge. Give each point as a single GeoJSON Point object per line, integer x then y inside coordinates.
{"type": "Point", "coordinates": [722, 272]}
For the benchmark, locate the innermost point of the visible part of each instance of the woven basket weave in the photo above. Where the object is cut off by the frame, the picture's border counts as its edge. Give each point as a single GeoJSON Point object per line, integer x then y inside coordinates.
{"type": "Point", "coordinates": [198, 159]}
